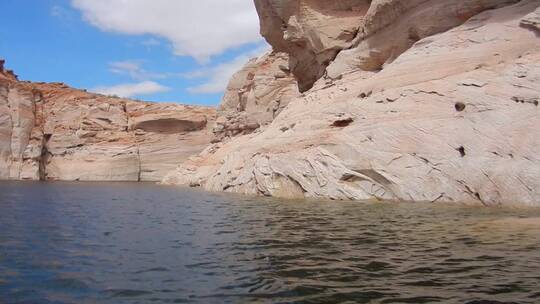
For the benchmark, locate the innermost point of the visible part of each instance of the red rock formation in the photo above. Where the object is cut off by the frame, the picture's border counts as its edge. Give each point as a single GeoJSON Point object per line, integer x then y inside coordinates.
{"type": "Point", "coordinates": [54, 132]}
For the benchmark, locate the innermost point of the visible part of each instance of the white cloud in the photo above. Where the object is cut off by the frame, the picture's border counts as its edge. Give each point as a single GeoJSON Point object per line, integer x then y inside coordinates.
{"type": "Point", "coordinates": [134, 70]}
{"type": "Point", "coordinates": [128, 90]}
{"type": "Point", "coordinates": [197, 28]}
{"type": "Point", "coordinates": [219, 76]}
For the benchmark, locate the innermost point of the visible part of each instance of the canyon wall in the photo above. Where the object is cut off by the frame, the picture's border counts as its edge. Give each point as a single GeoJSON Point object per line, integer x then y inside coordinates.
{"type": "Point", "coordinates": [54, 132]}
{"type": "Point", "coordinates": [255, 96]}
{"type": "Point", "coordinates": [418, 100]}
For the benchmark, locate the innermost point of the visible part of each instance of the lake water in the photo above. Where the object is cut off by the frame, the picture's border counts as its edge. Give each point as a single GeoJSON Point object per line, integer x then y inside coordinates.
{"type": "Point", "coordinates": [143, 243]}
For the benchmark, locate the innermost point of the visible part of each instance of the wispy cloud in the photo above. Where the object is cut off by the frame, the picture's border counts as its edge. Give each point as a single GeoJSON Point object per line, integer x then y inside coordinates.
{"type": "Point", "coordinates": [128, 90]}
{"type": "Point", "coordinates": [200, 29]}
{"type": "Point", "coordinates": [218, 76]}
{"type": "Point", "coordinates": [61, 12]}
{"type": "Point", "coordinates": [134, 70]}
{"type": "Point", "coordinates": [151, 42]}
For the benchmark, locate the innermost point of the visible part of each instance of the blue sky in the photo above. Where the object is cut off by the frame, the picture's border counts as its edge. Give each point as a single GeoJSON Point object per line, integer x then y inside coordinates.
{"type": "Point", "coordinates": [160, 50]}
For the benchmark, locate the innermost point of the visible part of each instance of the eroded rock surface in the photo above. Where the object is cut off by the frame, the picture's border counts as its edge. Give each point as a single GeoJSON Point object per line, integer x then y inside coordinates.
{"type": "Point", "coordinates": [391, 27]}
{"type": "Point", "coordinates": [374, 33]}
{"type": "Point", "coordinates": [165, 133]}
{"type": "Point", "coordinates": [255, 96]}
{"type": "Point", "coordinates": [20, 140]}
{"type": "Point", "coordinates": [532, 20]}
{"type": "Point", "coordinates": [451, 117]}
{"type": "Point", "coordinates": [311, 31]}
{"type": "Point", "coordinates": [53, 132]}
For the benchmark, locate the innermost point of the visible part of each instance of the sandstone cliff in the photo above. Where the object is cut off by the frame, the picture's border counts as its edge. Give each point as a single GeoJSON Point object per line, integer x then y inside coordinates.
{"type": "Point", "coordinates": [419, 100]}
{"type": "Point", "coordinates": [255, 96]}
{"type": "Point", "coordinates": [54, 132]}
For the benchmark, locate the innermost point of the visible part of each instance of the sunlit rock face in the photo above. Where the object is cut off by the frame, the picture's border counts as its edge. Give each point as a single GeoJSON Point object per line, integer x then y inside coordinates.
{"type": "Point", "coordinates": [168, 134]}
{"type": "Point", "coordinates": [53, 132]}
{"type": "Point", "coordinates": [255, 96]}
{"type": "Point", "coordinates": [426, 101]}
{"type": "Point", "coordinates": [392, 27]}
{"type": "Point", "coordinates": [20, 140]}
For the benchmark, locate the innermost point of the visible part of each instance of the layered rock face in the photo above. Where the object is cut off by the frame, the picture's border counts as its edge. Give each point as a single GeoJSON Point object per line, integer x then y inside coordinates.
{"type": "Point", "coordinates": [391, 27]}
{"type": "Point", "coordinates": [53, 132]}
{"type": "Point", "coordinates": [255, 96]}
{"type": "Point", "coordinates": [311, 31]}
{"type": "Point", "coordinates": [314, 32]}
{"type": "Point", "coordinates": [432, 101]}
{"type": "Point", "coordinates": [20, 144]}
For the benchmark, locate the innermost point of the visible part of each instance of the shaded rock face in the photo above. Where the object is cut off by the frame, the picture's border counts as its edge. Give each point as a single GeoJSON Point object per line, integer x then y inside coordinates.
{"type": "Point", "coordinates": [451, 118]}
{"type": "Point", "coordinates": [53, 132]}
{"type": "Point", "coordinates": [374, 32]}
{"type": "Point", "coordinates": [255, 96]}
{"type": "Point", "coordinates": [311, 31]}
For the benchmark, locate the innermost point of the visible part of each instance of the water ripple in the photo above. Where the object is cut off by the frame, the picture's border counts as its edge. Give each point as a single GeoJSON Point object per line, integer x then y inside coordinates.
{"type": "Point", "coordinates": [142, 243]}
